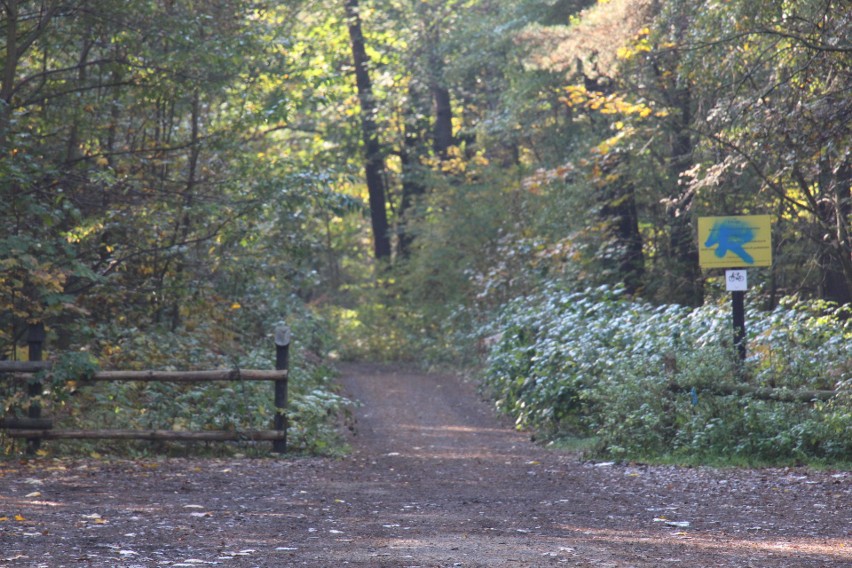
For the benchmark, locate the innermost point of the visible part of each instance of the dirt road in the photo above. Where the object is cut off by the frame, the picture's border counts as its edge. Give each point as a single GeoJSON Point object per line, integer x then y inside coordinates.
{"type": "Point", "coordinates": [434, 480]}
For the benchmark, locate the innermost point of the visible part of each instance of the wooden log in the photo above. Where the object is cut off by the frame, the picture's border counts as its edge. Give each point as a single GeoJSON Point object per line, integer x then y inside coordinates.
{"type": "Point", "coordinates": [178, 376]}
{"type": "Point", "coordinates": [768, 393]}
{"type": "Point", "coordinates": [163, 435]}
{"type": "Point", "coordinates": [26, 423]}
{"type": "Point", "coordinates": [761, 393]}
{"type": "Point", "coordinates": [24, 366]}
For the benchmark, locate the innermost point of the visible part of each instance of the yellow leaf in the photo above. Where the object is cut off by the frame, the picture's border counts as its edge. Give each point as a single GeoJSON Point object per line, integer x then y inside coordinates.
{"type": "Point", "coordinates": [624, 53]}
{"type": "Point", "coordinates": [236, 306]}
{"type": "Point", "coordinates": [101, 521]}
{"type": "Point", "coordinates": [20, 518]}
{"type": "Point", "coordinates": [2, 519]}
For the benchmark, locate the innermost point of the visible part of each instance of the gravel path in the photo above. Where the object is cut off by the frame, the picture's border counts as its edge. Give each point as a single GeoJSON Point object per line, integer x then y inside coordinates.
{"type": "Point", "coordinates": [434, 480]}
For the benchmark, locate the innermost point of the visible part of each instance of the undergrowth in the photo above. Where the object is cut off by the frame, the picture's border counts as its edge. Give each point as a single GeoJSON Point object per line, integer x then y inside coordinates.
{"type": "Point", "coordinates": [664, 382]}
{"type": "Point", "coordinates": [315, 408]}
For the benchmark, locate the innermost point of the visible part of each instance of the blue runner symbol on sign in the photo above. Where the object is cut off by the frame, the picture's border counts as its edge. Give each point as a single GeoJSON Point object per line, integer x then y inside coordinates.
{"type": "Point", "coordinates": [731, 235]}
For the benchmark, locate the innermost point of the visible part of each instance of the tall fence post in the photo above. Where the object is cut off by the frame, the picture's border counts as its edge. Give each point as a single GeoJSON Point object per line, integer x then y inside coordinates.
{"type": "Point", "coordinates": [282, 363]}
{"type": "Point", "coordinates": [35, 344]}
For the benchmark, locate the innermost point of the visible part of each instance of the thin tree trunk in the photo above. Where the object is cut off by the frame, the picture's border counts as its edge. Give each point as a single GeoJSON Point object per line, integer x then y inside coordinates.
{"type": "Point", "coordinates": [443, 120]}
{"type": "Point", "coordinates": [835, 259]}
{"type": "Point", "coordinates": [687, 284]}
{"type": "Point", "coordinates": [18, 41]}
{"type": "Point", "coordinates": [619, 212]}
{"type": "Point", "coordinates": [442, 136]}
{"type": "Point", "coordinates": [10, 68]}
{"type": "Point", "coordinates": [185, 222]}
{"type": "Point", "coordinates": [415, 128]}
{"type": "Point", "coordinates": [373, 161]}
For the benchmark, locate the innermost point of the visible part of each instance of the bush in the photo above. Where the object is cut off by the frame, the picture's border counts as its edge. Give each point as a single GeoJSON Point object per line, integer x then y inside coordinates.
{"type": "Point", "coordinates": [647, 381]}
{"type": "Point", "coordinates": [314, 407]}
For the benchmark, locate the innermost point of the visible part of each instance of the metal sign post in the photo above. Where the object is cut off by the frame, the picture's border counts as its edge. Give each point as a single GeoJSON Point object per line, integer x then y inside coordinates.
{"type": "Point", "coordinates": [736, 282]}
{"type": "Point", "coordinates": [736, 242]}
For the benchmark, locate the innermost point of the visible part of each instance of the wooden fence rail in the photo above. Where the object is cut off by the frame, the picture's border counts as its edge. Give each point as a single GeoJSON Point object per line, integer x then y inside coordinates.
{"type": "Point", "coordinates": [172, 376]}
{"type": "Point", "coordinates": [163, 435]}
{"type": "Point", "coordinates": [773, 394]}
{"type": "Point", "coordinates": [35, 428]}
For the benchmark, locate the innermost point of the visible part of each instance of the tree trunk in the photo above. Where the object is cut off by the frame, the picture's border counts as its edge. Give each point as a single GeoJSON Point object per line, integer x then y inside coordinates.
{"type": "Point", "coordinates": [686, 285]}
{"type": "Point", "coordinates": [19, 39]}
{"type": "Point", "coordinates": [443, 137]}
{"type": "Point", "coordinates": [622, 219]}
{"type": "Point", "coordinates": [184, 226]}
{"type": "Point", "coordinates": [10, 69]}
{"type": "Point", "coordinates": [416, 127]}
{"type": "Point", "coordinates": [373, 161]}
{"type": "Point", "coordinates": [836, 250]}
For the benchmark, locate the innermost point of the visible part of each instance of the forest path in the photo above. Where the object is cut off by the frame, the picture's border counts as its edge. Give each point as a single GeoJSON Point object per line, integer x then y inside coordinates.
{"type": "Point", "coordinates": [441, 481]}
{"type": "Point", "coordinates": [435, 479]}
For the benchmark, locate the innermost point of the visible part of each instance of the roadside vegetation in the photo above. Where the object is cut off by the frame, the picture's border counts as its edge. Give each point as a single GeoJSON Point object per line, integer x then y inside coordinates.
{"type": "Point", "coordinates": [507, 186]}
{"type": "Point", "coordinates": [665, 382]}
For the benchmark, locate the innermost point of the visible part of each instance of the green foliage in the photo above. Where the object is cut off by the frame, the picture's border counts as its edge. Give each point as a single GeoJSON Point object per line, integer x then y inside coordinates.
{"type": "Point", "coordinates": [645, 380]}
{"type": "Point", "coordinates": [162, 207]}
{"type": "Point", "coordinates": [314, 411]}
{"type": "Point", "coordinates": [177, 177]}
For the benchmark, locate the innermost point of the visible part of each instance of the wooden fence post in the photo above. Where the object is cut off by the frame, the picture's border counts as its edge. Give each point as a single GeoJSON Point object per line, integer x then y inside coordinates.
{"type": "Point", "coordinates": [35, 344]}
{"type": "Point", "coordinates": [282, 363]}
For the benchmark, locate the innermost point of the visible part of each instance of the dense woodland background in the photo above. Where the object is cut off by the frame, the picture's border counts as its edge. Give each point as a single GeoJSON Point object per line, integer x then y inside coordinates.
{"type": "Point", "coordinates": [389, 175]}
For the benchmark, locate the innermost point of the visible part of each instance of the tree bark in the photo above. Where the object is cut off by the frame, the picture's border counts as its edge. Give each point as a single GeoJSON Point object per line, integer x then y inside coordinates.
{"type": "Point", "coordinates": [10, 68]}
{"type": "Point", "coordinates": [373, 160]}
{"type": "Point", "coordinates": [687, 285]}
{"type": "Point", "coordinates": [415, 128]}
{"type": "Point", "coordinates": [619, 212]}
{"type": "Point", "coordinates": [18, 40]}
{"type": "Point", "coordinates": [836, 250]}
{"type": "Point", "coordinates": [443, 137]}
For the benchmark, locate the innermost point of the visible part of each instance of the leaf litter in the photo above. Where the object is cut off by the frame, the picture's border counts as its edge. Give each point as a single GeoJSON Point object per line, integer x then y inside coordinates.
{"type": "Point", "coordinates": [464, 499]}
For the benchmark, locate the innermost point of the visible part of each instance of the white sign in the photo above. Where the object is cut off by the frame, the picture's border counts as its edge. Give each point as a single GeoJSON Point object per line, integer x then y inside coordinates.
{"type": "Point", "coordinates": [736, 280]}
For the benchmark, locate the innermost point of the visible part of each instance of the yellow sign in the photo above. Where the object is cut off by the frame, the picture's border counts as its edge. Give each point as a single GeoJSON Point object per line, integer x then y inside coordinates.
{"type": "Point", "coordinates": [743, 241]}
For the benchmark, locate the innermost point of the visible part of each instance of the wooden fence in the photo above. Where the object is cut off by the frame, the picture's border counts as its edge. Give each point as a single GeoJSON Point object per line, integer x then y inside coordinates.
{"type": "Point", "coordinates": [35, 428]}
